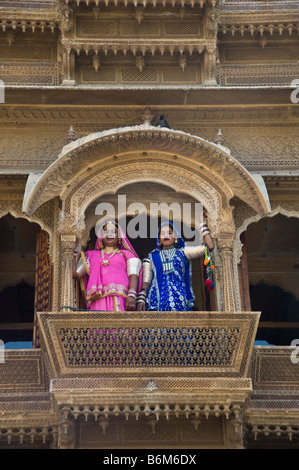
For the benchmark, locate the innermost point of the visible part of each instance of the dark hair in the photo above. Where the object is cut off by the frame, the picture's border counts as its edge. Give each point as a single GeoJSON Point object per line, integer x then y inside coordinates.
{"type": "Point", "coordinates": [110, 222]}
{"type": "Point", "coordinates": [165, 224]}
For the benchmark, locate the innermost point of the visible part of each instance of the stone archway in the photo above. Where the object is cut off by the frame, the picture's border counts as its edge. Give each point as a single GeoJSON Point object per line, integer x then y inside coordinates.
{"type": "Point", "coordinates": [150, 212]}
{"type": "Point", "coordinates": [103, 162]}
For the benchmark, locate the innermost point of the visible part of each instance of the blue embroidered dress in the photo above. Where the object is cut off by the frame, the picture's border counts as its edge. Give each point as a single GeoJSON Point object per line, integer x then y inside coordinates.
{"type": "Point", "coordinates": [170, 277]}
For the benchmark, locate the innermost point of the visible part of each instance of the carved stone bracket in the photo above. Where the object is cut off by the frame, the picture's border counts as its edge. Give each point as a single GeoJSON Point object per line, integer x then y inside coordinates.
{"type": "Point", "coordinates": [234, 429]}
{"type": "Point", "coordinates": [68, 224]}
{"type": "Point", "coordinates": [66, 429]}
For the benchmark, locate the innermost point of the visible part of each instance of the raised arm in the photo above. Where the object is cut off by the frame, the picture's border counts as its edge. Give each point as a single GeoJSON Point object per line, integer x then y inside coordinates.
{"type": "Point", "coordinates": [192, 252]}
{"type": "Point", "coordinates": [203, 226]}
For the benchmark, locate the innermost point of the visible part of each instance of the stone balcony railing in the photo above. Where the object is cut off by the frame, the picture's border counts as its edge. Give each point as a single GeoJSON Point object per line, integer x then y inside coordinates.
{"type": "Point", "coordinates": [133, 365]}
{"type": "Point", "coordinates": [215, 344]}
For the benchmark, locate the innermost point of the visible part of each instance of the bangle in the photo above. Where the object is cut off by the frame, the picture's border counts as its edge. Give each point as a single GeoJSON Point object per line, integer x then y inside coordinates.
{"type": "Point", "coordinates": [141, 296]}
{"type": "Point", "coordinates": [205, 233]}
{"type": "Point", "coordinates": [132, 293]}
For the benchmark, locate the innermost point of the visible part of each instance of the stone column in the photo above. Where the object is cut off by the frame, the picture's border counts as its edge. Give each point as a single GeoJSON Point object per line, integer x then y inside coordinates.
{"type": "Point", "coordinates": [68, 58]}
{"type": "Point", "coordinates": [210, 55]}
{"type": "Point", "coordinates": [225, 245]}
{"type": "Point", "coordinates": [68, 244]}
{"type": "Point", "coordinates": [70, 232]}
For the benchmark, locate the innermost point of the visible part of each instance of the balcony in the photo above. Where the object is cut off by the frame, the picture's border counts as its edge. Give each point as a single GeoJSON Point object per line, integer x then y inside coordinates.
{"type": "Point", "coordinates": [148, 380]}
{"type": "Point", "coordinates": [205, 344]}
{"type": "Point", "coordinates": [163, 365]}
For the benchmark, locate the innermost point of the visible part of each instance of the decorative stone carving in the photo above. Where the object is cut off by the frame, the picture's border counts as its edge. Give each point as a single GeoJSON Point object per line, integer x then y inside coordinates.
{"type": "Point", "coordinates": [215, 161]}
{"type": "Point", "coordinates": [69, 225]}
{"type": "Point", "coordinates": [70, 231]}
{"type": "Point", "coordinates": [66, 434]}
{"type": "Point", "coordinates": [234, 429]}
{"type": "Point", "coordinates": [225, 245]}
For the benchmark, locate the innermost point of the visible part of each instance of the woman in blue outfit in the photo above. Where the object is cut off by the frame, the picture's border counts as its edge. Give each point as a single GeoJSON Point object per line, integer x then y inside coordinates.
{"type": "Point", "coordinates": [167, 272]}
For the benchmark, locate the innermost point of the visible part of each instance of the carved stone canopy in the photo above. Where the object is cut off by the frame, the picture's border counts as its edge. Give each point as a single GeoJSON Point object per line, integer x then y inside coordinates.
{"type": "Point", "coordinates": [102, 162]}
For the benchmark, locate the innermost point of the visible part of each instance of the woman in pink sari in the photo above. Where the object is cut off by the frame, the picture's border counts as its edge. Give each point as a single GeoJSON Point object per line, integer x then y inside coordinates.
{"type": "Point", "coordinates": [110, 275]}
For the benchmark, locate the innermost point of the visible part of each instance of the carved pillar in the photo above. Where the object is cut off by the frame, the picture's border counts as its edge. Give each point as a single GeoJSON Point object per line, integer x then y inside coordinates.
{"type": "Point", "coordinates": [68, 66]}
{"type": "Point", "coordinates": [68, 244]}
{"type": "Point", "coordinates": [69, 232]}
{"type": "Point", "coordinates": [225, 240]}
{"type": "Point", "coordinates": [225, 245]}
{"type": "Point", "coordinates": [210, 56]}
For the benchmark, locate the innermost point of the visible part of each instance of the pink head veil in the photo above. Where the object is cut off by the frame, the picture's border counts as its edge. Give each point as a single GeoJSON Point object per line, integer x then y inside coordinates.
{"type": "Point", "coordinates": [124, 243]}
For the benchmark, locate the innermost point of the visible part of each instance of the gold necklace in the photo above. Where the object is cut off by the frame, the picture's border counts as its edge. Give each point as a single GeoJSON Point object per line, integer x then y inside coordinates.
{"type": "Point", "coordinates": [105, 262]}
{"type": "Point", "coordinates": [108, 249]}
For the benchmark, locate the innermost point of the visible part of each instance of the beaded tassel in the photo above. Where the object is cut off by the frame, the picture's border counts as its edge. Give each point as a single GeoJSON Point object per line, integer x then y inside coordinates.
{"type": "Point", "coordinates": [210, 284]}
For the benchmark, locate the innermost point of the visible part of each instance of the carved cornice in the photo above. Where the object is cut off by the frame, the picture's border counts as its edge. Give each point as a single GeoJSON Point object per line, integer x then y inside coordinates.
{"type": "Point", "coordinates": [251, 26]}
{"type": "Point", "coordinates": [145, 3]}
{"type": "Point", "coordinates": [144, 46]}
{"type": "Point", "coordinates": [186, 116]}
{"type": "Point", "coordinates": [28, 22]}
{"type": "Point", "coordinates": [249, 7]}
{"type": "Point", "coordinates": [41, 15]}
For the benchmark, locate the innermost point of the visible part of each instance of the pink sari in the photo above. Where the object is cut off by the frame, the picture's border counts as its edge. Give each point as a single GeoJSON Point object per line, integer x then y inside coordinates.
{"type": "Point", "coordinates": [106, 284]}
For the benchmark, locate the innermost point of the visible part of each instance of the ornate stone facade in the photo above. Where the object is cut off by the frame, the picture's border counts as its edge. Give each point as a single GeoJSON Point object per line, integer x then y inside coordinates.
{"type": "Point", "coordinates": [84, 84]}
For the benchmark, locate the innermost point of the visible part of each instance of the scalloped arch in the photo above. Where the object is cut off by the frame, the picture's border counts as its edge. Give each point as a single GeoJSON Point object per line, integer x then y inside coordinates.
{"type": "Point", "coordinates": [112, 147]}
{"type": "Point", "coordinates": [254, 219]}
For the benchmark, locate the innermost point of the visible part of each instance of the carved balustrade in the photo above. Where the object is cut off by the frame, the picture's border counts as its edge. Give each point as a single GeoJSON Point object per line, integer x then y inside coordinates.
{"type": "Point", "coordinates": [201, 344]}
{"type": "Point", "coordinates": [164, 365]}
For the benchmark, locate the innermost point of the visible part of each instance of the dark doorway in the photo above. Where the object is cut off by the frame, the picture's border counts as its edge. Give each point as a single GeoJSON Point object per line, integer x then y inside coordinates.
{"type": "Point", "coordinates": [279, 322]}
{"type": "Point", "coordinates": [272, 252]}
